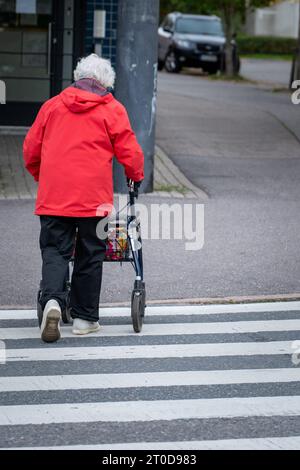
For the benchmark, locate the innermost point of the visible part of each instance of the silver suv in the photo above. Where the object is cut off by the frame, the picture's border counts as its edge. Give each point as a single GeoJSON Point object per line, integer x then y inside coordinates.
{"type": "Point", "coordinates": [193, 41]}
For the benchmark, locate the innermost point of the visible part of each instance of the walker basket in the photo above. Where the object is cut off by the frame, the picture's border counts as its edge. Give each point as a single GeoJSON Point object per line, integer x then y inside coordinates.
{"type": "Point", "coordinates": [117, 243]}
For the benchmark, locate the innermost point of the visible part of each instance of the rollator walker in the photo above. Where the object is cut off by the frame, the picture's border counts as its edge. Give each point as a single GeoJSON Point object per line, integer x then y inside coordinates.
{"type": "Point", "coordinates": [123, 245]}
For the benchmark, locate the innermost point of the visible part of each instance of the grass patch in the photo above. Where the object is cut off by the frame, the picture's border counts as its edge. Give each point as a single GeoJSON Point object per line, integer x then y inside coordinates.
{"type": "Point", "coordinates": [234, 78]}
{"type": "Point", "coordinates": [285, 57]}
{"type": "Point", "coordinates": [168, 188]}
{"type": "Point", "coordinates": [280, 90]}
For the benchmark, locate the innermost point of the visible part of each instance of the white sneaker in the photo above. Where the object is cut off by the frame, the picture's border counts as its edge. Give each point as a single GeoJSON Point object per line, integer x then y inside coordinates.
{"type": "Point", "coordinates": [50, 328]}
{"type": "Point", "coordinates": [83, 327]}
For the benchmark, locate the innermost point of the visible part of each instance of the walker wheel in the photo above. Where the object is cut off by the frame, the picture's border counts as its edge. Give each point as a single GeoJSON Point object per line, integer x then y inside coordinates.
{"type": "Point", "coordinates": [138, 309]}
{"type": "Point", "coordinates": [39, 308]}
{"type": "Point", "coordinates": [66, 313]}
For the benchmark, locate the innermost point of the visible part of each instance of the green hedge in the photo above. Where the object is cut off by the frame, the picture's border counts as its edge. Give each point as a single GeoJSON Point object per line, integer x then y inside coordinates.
{"type": "Point", "coordinates": [266, 45]}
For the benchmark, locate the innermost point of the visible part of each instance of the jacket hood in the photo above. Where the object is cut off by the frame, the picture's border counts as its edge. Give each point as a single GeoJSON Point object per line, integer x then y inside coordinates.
{"type": "Point", "coordinates": [80, 97]}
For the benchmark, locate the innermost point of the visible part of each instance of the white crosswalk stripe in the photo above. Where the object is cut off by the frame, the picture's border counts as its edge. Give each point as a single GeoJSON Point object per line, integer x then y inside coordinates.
{"type": "Point", "coordinates": [149, 351]}
{"type": "Point", "coordinates": [150, 379]}
{"type": "Point", "coordinates": [168, 329]}
{"type": "Point", "coordinates": [196, 390]}
{"type": "Point", "coordinates": [274, 443]}
{"type": "Point", "coordinates": [177, 310]}
{"type": "Point", "coordinates": [149, 410]}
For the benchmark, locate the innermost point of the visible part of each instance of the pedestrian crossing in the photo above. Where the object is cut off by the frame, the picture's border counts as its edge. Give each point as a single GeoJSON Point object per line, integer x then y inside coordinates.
{"type": "Point", "coordinates": [197, 377]}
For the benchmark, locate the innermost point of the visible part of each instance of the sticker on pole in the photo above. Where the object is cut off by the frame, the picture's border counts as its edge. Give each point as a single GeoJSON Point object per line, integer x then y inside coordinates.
{"type": "Point", "coordinates": [2, 92]}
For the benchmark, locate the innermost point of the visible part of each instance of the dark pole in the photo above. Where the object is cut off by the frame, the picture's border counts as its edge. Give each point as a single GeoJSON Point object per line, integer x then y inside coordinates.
{"type": "Point", "coordinates": [295, 70]}
{"type": "Point", "coordinates": [298, 50]}
{"type": "Point", "coordinates": [136, 78]}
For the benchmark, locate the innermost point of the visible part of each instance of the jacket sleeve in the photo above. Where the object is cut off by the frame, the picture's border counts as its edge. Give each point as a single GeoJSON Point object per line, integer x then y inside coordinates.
{"type": "Point", "coordinates": [126, 147]}
{"type": "Point", "coordinates": [33, 145]}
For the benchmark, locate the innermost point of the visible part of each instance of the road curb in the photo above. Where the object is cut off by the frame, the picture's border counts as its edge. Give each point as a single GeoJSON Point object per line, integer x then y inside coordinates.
{"type": "Point", "coordinates": [240, 299]}
{"type": "Point", "coordinates": [167, 173]}
{"type": "Point", "coordinates": [228, 300]}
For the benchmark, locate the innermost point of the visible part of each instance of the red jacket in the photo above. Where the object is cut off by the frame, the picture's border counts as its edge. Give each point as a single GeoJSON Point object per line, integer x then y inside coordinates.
{"type": "Point", "coordinates": [70, 147]}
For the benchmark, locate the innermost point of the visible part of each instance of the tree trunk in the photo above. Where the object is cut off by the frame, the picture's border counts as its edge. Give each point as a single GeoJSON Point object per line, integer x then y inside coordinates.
{"type": "Point", "coordinates": [228, 12]}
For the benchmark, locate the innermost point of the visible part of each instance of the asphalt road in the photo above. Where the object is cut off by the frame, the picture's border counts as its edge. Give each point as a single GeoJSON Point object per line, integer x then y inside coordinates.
{"type": "Point", "coordinates": [242, 146]}
{"type": "Point", "coordinates": [275, 72]}
{"type": "Point", "coordinates": [251, 248]}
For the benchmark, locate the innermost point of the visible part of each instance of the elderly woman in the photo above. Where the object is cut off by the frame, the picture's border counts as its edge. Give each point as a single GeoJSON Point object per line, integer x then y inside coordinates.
{"type": "Point", "coordinates": [69, 150]}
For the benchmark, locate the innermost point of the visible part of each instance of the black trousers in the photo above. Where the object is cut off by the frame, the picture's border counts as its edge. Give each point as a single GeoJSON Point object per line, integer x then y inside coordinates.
{"type": "Point", "coordinates": [57, 240]}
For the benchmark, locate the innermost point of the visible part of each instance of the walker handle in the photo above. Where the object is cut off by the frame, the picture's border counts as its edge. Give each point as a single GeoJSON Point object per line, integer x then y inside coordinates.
{"type": "Point", "coordinates": [133, 187]}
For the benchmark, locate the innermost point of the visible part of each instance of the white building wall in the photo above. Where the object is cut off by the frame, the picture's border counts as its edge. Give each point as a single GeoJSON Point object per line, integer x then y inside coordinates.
{"type": "Point", "coordinates": [264, 22]}
{"type": "Point", "coordinates": [280, 20]}
{"type": "Point", "coordinates": [286, 19]}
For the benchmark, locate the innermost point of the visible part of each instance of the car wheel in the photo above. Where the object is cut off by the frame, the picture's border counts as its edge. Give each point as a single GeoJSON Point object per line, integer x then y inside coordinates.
{"type": "Point", "coordinates": [212, 70]}
{"type": "Point", "coordinates": [172, 64]}
{"type": "Point", "coordinates": [160, 65]}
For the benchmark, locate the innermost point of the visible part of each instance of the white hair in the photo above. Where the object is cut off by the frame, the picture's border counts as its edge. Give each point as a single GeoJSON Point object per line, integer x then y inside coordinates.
{"type": "Point", "coordinates": [95, 67]}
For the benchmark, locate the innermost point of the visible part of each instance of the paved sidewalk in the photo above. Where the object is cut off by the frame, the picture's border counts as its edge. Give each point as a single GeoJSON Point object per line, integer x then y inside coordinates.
{"type": "Point", "coordinates": [16, 183]}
